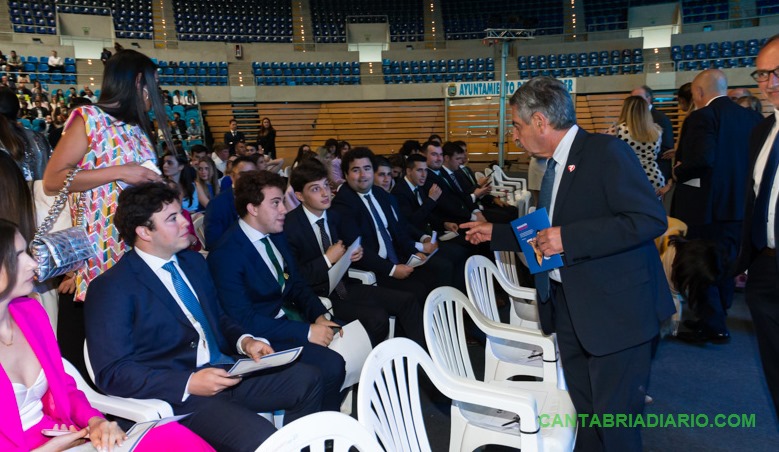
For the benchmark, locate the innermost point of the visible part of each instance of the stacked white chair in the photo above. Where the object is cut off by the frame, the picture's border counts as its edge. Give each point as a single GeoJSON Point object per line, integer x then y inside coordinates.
{"type": "Point", "coordinates": [479, 274]}
{"type": "Point", "coordinates": [388, 401]}
{"type": "Point", "coordinates": [474, 426]}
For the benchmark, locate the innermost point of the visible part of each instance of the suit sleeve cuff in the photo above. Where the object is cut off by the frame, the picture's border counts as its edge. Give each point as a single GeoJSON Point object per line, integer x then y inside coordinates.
{"type": "Point", "coordinates": [186, 389]}
{"type": "Point", "coordinates": [392, 272]}
{"type": "Point", "coordinates": [240, 339]}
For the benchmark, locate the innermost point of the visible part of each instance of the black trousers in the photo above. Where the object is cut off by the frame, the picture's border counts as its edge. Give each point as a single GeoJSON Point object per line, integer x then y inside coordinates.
{"type": "Point", "coordinates": [609, 384]}
{"type": "Point", "coordinates": [373, 306]}
{"type": "Point", "coordinates": [719, 297]}
{"type": "Point", "coordinates": [762, 295]}
{"type": "Point", "coordinates": [228, 421]}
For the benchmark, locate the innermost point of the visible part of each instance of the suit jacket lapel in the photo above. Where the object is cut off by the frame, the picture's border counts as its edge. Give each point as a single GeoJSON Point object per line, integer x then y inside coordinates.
{"type": "Point", "coordinates": [254, 257]}
{"type": "Point", "coordinates": [574, 155]}
{"type": "Point", "coordinates": [147, 277]}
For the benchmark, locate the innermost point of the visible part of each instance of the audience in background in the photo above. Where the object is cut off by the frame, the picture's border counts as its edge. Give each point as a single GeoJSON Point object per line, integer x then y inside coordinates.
{"type": "Point", "coordinates": [176, 168]}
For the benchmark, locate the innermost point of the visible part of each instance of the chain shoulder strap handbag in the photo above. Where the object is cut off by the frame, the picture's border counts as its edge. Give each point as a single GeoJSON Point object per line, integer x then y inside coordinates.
{"type": "Point", "coordinates": [62, 251]}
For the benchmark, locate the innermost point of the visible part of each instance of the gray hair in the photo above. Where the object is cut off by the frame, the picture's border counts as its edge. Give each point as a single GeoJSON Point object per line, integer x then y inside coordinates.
{"type": "Point", "coordinates": [547, 96]}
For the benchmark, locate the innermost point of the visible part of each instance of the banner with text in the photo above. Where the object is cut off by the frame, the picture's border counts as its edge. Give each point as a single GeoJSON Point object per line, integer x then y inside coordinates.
{"type": "Point", "coordinates": [492, 88]}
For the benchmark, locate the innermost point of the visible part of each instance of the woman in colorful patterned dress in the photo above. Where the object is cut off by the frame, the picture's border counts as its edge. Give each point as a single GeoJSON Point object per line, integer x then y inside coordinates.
{"type": "Point", "coordinates": [109, 141]}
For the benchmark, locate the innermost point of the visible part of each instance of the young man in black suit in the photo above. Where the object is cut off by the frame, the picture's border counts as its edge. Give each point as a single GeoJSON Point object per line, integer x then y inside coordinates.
{"type": "Point", "coordinates": [386, 243]}
{"type": "Point", "coordinates": [233, 136]}
{"type": "Point", "coordinates": [312, 231]}
{"type": "Point", "coordinates": [453, 205]}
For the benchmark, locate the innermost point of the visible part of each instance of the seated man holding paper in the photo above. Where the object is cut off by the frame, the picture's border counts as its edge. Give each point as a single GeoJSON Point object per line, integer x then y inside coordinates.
{"type": "Point", "coordinates": [260, 287]}
{"type": "Point", "coordinates": [370, 213]}
{"type": "Point", "coordinates": [312, 231]}
{"type": "Point", "coordinates": [155, 330]}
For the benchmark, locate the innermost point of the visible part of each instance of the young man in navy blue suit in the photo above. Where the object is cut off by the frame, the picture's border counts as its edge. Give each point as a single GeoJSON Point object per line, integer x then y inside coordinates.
{"type": "Point", "coordinates": [607, 300]}
{"type": "Point", "coordinates": [155, 330]}
{"type": "Point", "coordinates": [312, 231]}
{"type": "Point", "coordinates": [259, 285]}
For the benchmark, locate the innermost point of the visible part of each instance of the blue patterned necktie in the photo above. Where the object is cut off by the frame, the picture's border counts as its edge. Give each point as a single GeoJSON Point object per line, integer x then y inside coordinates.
{"type": "Point", "coordinates": [760, 213]}
{"type": "Point", "coordinates": [547, 185]}
{"type": "Point", "coordinates": [391, 256]}
{"type": "Point", "coordinates": [545, 200]}
{"type": "Point", "coordinates": [193, 306]}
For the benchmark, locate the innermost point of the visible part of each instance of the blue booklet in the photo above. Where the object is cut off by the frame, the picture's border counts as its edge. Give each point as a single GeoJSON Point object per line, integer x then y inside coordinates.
{"type": "Point", "coordinates": [525, 229]}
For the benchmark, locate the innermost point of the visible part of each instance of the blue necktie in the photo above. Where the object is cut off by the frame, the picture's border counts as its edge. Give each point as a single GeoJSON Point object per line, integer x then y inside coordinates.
{"type": "Point", "coordinates": [760, 214]}
{"type": "Point", "coordinates": [545, 200]}
{"type": "Point", "coordinates": [391, 256]}
{"type": "Point", "coordinates": [194, 308]}
{"type": "Point", "coordinates": [547, 185]}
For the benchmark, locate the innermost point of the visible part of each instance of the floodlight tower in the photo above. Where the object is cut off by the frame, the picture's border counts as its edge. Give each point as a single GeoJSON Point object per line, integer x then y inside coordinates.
{"type": "Point", "coordinates": [505, 36]}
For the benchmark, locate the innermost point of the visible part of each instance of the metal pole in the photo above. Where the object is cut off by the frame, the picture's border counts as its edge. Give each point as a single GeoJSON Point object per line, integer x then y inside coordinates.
{"type": "Point", "coordinates": [502, 115]}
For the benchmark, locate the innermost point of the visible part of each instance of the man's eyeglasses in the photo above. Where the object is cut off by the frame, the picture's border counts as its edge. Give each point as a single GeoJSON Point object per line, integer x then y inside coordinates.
{"type": "Point", "coordinates": [762, 75]}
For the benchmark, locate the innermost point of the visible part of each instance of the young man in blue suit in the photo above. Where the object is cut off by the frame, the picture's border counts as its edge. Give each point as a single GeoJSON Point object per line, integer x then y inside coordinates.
{"type": "Point", "coordinates": [259, 284]}
{"type": "Point", "coordinates": [312, 231]}
{"type": "Point", "coordinates": [155, 330]}
{"type": "Point", "coordinates": [607, 300]}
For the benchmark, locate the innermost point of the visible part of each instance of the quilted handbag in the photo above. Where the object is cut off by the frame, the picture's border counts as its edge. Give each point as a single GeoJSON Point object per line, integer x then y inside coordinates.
{"type": "Point", "coordinates": [62, 251]}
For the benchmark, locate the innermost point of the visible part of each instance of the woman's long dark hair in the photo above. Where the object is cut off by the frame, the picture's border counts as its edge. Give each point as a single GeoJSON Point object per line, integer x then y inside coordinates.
{"type": "Point", "coordinates": [265, 131]}
{"type": "Point", "coordinates": [15, 197]}
{"type": "Point", "coordinates": [125, 76]}
{"type": "Point", "coordinates": [10, 131]}
{"type": "Point", "coordinates": [8, 258]}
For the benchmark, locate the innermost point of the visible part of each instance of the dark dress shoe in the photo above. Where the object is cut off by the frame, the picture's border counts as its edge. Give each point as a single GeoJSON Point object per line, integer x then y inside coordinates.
{"type": "Point", "coordinates": [693, 325]}
{"type": "Point", "coordinates": [703, 336]}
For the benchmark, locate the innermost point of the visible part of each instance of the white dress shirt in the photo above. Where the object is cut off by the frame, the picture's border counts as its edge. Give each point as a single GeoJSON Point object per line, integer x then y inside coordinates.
{"type": "Point", "coordinates": [561, 157]}
{"type": "Point", "coordinates": [762, 160]}
{"type": "Point", "coordinates": [312, 219]}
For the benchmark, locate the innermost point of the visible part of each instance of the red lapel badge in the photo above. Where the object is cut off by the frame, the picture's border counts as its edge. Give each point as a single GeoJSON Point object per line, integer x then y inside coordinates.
{"type": "Point", "coordinates": [571, 168]}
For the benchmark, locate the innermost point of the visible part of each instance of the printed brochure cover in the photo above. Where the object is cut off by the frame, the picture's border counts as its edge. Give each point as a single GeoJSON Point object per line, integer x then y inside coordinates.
{"type": "Point", "coordinates": [525, 229]}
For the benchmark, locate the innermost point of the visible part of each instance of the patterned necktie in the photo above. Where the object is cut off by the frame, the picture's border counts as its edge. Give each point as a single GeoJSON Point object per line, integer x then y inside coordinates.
{"type": "Point", "coordinates": [456, 184]}
{"type": "Point", "coordinates": [391, 256]}
{"type": "Point", "coordinates": [547, 185]}
{"type": "Point", "coordinates": [760, 213]}
{"type": "Point", "coordinates": [272, 256]}
{"type": "Point", "coordinates": [340, 288]}
{"type": "Point", "coordinates": [193, 306]}
{"type": "Point", "coordinates": [545, 200]}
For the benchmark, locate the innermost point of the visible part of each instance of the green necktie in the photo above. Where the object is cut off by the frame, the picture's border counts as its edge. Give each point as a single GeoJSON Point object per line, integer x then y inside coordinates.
{"type": "Point", "coordinates": [272, 255]}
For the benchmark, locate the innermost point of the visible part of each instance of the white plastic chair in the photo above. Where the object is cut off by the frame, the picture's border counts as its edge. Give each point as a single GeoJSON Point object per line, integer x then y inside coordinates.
{"type": "Point", "coordinates": [132, 409]}
{"type": "Point", "coordinates": [480, 274]}
{"type": "Point", "coordinates": [500, 178]}
{"type": "Point", "coordinates": [325, 431]}
{"type": "Point", "coordinates": [369, 279]}
{"type": "Point", "coordinates": [388, 400]}
{"type": "Point", "coordinates": [524, 308]}
{"type": "Point", "coordinates": [474, 427]}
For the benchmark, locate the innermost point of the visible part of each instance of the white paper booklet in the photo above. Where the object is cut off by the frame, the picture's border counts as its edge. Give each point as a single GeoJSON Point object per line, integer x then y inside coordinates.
{"type": "Point", "coordinates": [248, 365]}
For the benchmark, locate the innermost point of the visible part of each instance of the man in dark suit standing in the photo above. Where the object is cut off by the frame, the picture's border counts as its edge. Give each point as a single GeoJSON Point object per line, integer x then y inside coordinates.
{"type": "Point", "coordinates": [758, 246]}
{"type": "Point", "coordinates": [667, 141]}
{"type": "Point", "coordinates": [260, 287]}
{"type": "Point", "coordinates": [312, 231]}
{"type": "Point", "coordinates": [233, 136]}
{"type": "Point", "coordinates": [711, 176]}
{"type": "Point", "coordinates": [607, 300]}
{"type": "Point", "coordinates": [155, 330]}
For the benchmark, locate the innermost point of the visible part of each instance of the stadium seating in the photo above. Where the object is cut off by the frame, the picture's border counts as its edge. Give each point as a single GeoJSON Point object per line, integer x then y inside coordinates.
{"type": "Point", "coordinates": [329, 18]}
{"type": "Point", "coordinates": [306, 73]}
{"type": "Point", "coordinates": [694, 11]}
{"type": "Point", "coordinates": [614, 62]}
{"type": "Point", "coordinates": [233, 20]}
{"type": "Point", "coordinates": [719, 55]}
{"type": "Point", "coordinates": [438, 71]}
{"type": "Point", "coordinates": [466, 19]}
{"type": "Point", "coordinates": [193, 73]}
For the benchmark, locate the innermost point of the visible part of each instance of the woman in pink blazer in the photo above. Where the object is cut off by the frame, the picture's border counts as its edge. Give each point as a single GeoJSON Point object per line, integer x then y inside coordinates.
{"type": "Point", "coordinates": [35, 391]}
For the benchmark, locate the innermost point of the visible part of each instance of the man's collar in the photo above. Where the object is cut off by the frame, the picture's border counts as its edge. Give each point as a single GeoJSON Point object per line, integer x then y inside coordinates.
{"type": "Point", "coordinates": [410, 184]}
{"type": "Point", "coordinates": [253, 234]}
{"type": "Point", "coordinates": [154, 262]}
{"type": "Point", "coordinates": [714, 98]}
{"type": "Point", "coordinates": [312, 218]}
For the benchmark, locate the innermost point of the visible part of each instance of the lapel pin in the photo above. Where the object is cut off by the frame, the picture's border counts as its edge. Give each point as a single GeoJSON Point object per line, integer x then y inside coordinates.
{"type": "Point", "coordinates": [571, 168]}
